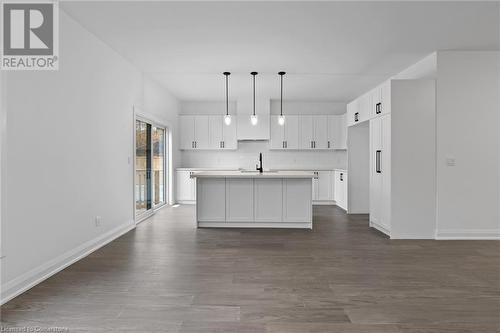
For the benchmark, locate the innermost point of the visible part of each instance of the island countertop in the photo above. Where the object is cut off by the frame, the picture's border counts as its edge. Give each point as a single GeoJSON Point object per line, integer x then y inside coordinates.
{"type": "Point", "coordinates": [253, 174]}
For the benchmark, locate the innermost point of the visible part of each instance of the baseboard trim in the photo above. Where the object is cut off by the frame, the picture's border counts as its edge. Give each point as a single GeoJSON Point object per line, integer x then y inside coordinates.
{"type": "Point", "coordinates": [33, 277]}
{"type": "Point", "coordinates": [468, 234]}
{"type": "Point", "coordinates": [324, 203]}
{"type": "Point", "coordinates": [186, 202]}
{"type": "Point", "coordinates": [380, 228]}
{"type": "Point", "coordinates": [229, 224]}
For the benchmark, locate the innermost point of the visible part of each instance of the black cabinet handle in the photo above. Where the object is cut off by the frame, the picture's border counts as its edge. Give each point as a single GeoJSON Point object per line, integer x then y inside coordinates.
{"type": "Point", "coordinates": [223, 144]}
{"type": "Point", "coordinates": [341, 177]}
{"type": "Point", "coordinates": [356, 116]}
{"type": "Point", "coordinates": [378, 108]}
{"type": "Point", "coordinates": [328, 144]}
{"type": "Point", "coordinates": [378, 168]}
{"type": "Point", "coordinates": [286, 144]}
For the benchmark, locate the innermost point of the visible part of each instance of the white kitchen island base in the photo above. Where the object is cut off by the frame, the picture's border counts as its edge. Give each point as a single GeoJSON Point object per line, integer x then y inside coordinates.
{"type": "Point", "coordinates": [254, 200]}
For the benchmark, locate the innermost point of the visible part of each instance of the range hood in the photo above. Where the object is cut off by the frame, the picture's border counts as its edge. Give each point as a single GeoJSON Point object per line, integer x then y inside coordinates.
{"type": "Point", "coordinates": [247, 131]}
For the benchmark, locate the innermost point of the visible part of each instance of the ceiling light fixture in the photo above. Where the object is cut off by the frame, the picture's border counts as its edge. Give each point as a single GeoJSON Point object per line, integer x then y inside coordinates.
{"type": "Point", "coordinates": [253, 118]}
{"type": "Point", "coordinates": [227, 117]}
{"type": "Point", "coordinates": [281, 119]}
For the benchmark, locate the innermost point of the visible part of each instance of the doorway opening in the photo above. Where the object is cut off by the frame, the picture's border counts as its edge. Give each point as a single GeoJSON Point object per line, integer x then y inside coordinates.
{"type": "Point", "coordinates": [150, 188]}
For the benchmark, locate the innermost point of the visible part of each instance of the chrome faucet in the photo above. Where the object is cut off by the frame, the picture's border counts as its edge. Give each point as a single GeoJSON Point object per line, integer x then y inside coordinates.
{"type": "Point", "coordinates": [257, 167]}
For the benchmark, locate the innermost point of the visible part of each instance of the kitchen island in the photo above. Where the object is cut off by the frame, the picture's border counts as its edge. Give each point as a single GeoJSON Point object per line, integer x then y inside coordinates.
{"type": "Point", "coordinates": [252, 199]}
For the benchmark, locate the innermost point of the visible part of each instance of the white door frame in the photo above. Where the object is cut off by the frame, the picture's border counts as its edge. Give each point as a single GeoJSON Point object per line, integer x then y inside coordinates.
{"type": "Point", "coordinates": [139, 115]}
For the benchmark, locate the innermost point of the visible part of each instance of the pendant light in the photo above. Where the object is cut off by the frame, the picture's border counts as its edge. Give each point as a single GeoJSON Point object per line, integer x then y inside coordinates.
{"type": "Point", "coordinates": [281, 119]}
{"type": "Point", "coordinates": [253, 118]}
{"type": "Point", "coordinates": [227, 117]}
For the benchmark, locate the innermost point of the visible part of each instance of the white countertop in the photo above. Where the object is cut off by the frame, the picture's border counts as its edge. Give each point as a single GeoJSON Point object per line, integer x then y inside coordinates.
{"type": "Point", "coordinates": [256, 174]}
{"type": "Point", "coordinates": [274, 169]}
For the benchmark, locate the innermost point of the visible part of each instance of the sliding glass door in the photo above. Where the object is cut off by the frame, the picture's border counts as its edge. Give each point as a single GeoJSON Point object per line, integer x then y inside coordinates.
{"type": "Point", "coordinates": [150, 170]}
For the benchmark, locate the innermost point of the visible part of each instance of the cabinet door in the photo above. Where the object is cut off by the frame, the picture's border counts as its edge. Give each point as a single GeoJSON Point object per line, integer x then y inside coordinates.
{"type": "Point", "coordinates": [320, 140]}
{"type": "Point", "coordinates": [340, 188]}
{"type": "Point", "coordinates": [277, 134]}
{"type": "Point", "coordinates": [291, 132]}
{"type": "Point", "coordinates": [215, 128]}
{"type": "Point", "coordinates": [297, 200]}
{"type": "Point", "coordinates": [186, 132]}
{"type": "Point", "coordinates": [324, 185]}
{"type": "Point", "coordinates": [352, 109]}
{"type": "Point", "coordinates": [375, 176]}
{"type": "Point", "coordinates": [239, 200]}
{"type": "Point", "coordinates": [267, 197]}
{"type": "Point", "coordinates": [229, 139]}
{"type": "Point", "coordinates": [385, 190]}
{"type": "Point", "coordinates": [306, 132]}
{"type": "Point", "coordinates": [376, 102]}
{"type": "Point", "coordinates": [337, 132]}
{"type": "Point", "coordinates": [211, 206]}
{"type": "Point", "coordinates": [201, 132]}
{"type": "Point", "coordinates": [315, 185]}
{"type": "Point", "coordinates": [184, 189]}
{"type": "Point", "coordinates": [386, 97]}
{"type": "Point", "coordinates": [364, 108]}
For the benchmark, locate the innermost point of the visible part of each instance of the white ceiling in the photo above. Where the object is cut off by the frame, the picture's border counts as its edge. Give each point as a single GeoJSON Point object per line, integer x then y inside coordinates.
{"type": "Point", "coordinates": [332, 51]}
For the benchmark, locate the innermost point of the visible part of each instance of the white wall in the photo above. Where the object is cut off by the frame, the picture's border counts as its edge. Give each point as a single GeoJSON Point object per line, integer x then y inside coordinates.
{"type": "Point", "coordinates": [358, 145]}
{"type": "Point", "coordinates": [70, 135]}
{"type": "Point", "coordinates": [413, 156]}
{"type": "Point", "coordinates": [468, 118]}
{"type": "Point", "coordinates": [247, 154]}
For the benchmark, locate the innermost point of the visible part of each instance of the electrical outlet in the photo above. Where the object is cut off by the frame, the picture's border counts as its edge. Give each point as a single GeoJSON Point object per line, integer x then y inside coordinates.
{"type": "Point", "coordinates": [98, 221]}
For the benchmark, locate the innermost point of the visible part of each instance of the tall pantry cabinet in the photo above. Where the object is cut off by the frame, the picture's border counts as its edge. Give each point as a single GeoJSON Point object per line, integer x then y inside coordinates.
{"type": "Point", "coordinates": [401, 115]}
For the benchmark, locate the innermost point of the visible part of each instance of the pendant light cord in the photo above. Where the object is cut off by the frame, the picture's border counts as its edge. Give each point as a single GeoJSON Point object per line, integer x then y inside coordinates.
{"type": "Point", "coordinates": [227, 93]}
{"type": "Point", "coordinates": [253, 74]}
{"type": "Point", "coordinates": [281, 101]}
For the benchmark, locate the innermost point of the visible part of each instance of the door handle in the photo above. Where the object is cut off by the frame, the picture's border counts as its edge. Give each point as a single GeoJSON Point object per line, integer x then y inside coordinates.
{"type": "Point", "coordinates": [378, 168]}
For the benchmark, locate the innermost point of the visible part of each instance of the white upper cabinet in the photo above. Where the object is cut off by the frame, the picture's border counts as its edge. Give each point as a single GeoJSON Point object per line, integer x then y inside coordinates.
{"type": "Point", "coordinates": [216, 124]}
{"type": "Point", "coordinates": [247, 131]}
{"type": "Point", "coordinates": [337, 132]}
{"type": "Point", "coordinates": [375, 103]}
{"type": "Point", "coordinates": [186, 132]}
{"type": "Point", "coordinates": [306, 136]}
{"type": "Point", "coordinates": [285, 136]}
{"type": "Point", "coordinates": [277, 134]}
{"type": "Point", "coordinates": [291, 132]}
{"type": "Point", "coordinates": [229, 135]}
{"type": "Point", "coordinates": [320, 130]}
{"type": "Point", "coordinates": [207, 132]}
{"type": "Point", "coordinates": [201, 132]}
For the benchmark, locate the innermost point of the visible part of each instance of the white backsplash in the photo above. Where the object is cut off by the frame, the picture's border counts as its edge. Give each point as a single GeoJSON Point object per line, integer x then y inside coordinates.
{"type": "Point", "coordinates": [247, 156]}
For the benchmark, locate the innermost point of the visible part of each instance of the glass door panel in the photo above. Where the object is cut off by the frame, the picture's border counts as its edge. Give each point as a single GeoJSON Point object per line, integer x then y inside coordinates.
{"type": "Point", "coordinates": [143, 202]}
{"type": "Point", "coordinates": [159, 174]}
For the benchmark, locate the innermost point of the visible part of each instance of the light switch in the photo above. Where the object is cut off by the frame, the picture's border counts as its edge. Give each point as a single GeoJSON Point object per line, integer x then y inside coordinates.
{"type": "Point", "coordinates": [450, 161]}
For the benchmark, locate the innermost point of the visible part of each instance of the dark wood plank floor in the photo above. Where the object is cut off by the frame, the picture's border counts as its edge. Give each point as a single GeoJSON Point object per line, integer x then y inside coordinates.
{"type": "Point", "coordinates": [167, 276]}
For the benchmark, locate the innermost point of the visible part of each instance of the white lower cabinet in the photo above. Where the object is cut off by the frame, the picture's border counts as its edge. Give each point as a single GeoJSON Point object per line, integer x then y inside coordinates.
{"type": "Point", "coordinates": [265, 194]}
{"type": "Point", "coordinates": [296, 202]}
{"type": "Point", "coordinates": [211, 200]}
{"type": "Point", "coordinates": [322, 188]}
{"type": "Point", "coordinates": [340, 188]}
{"type": "Point", "coordinates": [185, 187]}
{"type": "Point", "coordinates": [239, 200]}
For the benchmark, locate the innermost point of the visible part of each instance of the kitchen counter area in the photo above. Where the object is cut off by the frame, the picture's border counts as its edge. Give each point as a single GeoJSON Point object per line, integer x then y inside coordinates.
{"type": "Point", "coordinates": [253, 199]}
